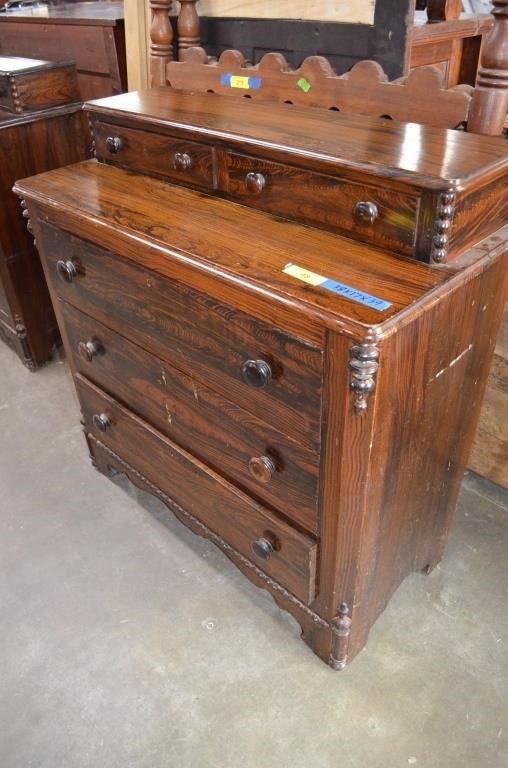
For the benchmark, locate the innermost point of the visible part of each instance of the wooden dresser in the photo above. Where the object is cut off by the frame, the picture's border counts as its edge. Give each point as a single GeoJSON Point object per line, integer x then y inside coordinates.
{"type": "Point", "coordinates": [280, 322]}
{"type": "Point", "coordinates": [41, 127]}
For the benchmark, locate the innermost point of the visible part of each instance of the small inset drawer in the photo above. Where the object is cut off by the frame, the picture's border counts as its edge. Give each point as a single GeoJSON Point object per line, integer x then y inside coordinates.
{"type": "Point", "coordinates": [235, 443]}
{"type": "Point", "coordinates": [256, 366]}
{"type": "Point", "coordinates": [383, 217]}
{"type": "Point", "coordinates": [187, 162]}
{"type": "Point", "coordinates": [275, 547]}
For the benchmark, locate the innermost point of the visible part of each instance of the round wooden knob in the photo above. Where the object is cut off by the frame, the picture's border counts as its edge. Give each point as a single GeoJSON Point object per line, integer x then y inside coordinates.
{"type": "Point", "coordinates": [182, 162]}
{"type": "Point", "coordinates": [262, 548]}
{"type": "Point", "coordinates": [114, 144]}
{"type": "Point", "coordinates": [255, 182]}
{"type": "Point", "coordinates": [101, 421]}
{"type": "Point", "coordinates": [256, 373]}
{"type": "Point", "coordinates": [261, 468]}
{"type": "Point", "coordinates": [365, 213]}
{"type": "Point", "coordinates": [87, 350]}
{"type": "Point", "coordinates": [67, 270]}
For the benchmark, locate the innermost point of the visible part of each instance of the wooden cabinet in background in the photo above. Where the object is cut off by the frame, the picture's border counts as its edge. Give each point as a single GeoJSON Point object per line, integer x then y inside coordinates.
{"type": "Point", "coordinates": [31, 141]}
{"type": "Point", "coordinates": [91, 34]}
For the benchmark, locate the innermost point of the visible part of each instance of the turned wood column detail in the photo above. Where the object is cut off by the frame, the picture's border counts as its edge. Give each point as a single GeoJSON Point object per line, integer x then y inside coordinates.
{"type": "Point", "coordinates": [161, 41]}
{"type": "Point", "coordinates": [490, 100]}
{"type": "Point", "coordinates": [187, 27]}
{"type": "Point", "coordinates": [443, 10]}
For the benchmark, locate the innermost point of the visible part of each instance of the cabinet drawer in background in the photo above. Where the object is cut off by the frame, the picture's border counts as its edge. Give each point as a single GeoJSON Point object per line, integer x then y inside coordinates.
{"type": "Point", "coordinates": [279, 550]}
{"type": "Point", "coordinates": [382, 217]}
{"type": "Point", "coordinates": [184, 161]}
{"type": "Point", "coordinates": [226, 437]}
{"type": "Point", "coordinates": [254, 365]}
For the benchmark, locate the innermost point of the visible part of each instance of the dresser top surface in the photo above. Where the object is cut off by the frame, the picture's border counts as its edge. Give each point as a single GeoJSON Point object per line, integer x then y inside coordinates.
{"type": "Point", "coordinates": [418, 154]}
{"type": "Point", "coordinates": [17, 65]}
{"type": "Point", "coordinates": [188, 231]}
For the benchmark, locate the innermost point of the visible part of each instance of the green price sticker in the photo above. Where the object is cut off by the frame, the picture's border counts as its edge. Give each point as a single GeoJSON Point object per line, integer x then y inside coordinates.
{"type": "Point", "coordinates": [304, 85]}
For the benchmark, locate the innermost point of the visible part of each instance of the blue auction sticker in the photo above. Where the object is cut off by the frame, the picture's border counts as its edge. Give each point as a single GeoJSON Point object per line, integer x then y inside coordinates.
{"type": "Point", "coordinates": [312, 278]}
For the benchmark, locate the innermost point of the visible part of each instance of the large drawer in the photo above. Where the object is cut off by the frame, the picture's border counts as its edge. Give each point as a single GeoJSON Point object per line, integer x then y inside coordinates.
{"type": "Point", "coordinates": [228, 438]}
{"type": "Point", "coordinates": [187, 162]}
{"type": "Point", "coordinates": [278, 549]}
{"type": "Point", "coordinates": [381, 216]}
{"type": "Point", "coordinates": [256, 366]}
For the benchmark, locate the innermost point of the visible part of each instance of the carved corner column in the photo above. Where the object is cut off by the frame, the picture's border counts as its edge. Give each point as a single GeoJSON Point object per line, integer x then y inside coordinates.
{"type": "Point", "coordinates": [187, 27]}
{"type": "Point", "coordinates": [489, 106]}
{"type": "Point", "coordinates": [161, 41]}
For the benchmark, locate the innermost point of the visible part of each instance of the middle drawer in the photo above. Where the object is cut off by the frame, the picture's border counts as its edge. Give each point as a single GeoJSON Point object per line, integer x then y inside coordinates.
{"type": "Point", "coordinates": [233, 442]}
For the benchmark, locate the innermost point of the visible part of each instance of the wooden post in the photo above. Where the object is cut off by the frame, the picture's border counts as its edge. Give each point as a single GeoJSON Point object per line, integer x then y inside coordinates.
{"type": "Point", "coordinates": [443, 10]}
{"type": "Point", "coordinates": [161, 41]}
{"type": "Point", "coordinates": [187, 26]}
{"type": "Point", "coordinates": [489, 106]}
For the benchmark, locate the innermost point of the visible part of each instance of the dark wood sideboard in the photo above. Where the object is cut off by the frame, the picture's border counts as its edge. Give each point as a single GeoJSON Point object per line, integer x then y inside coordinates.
{"type": "Point", "coordinates": [92, 34]}
{"type": "Point", "coordinates": [42, 126]}
{"type": "Point", "coordinates": [273, 328]}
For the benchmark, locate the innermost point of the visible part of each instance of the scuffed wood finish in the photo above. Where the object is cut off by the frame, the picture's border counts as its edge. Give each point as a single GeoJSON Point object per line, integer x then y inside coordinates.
{"type": "Point", "coordinates": [30, 144]}
{"type": "Point", "coordinates": [225, 510]}
{"type": "Point", "coordinates": [432, 192]}
{"type": "Point", "coordinates": [170, 290]}
{"type": "Point", "coordinates": [27, 85]}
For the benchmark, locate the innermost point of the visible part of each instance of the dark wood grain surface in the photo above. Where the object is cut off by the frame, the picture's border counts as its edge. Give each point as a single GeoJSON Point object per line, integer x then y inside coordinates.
{"type": "Point", "coordinates": [31, 144]}
{"type": "Point", "coordinates": [418, 154]}
{"type": "Point", "coordinates": [226, 510]}
{"type": "Point", "coordinates": [203, 422]}
{"type": "Point", "coordinates": [256, 251]}
{"type": "Point", "coordinates": [167, 292]}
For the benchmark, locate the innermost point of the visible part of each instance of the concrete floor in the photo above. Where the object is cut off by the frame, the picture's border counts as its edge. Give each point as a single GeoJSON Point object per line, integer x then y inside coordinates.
{"type": "Point", "coordinates": [127, 642]}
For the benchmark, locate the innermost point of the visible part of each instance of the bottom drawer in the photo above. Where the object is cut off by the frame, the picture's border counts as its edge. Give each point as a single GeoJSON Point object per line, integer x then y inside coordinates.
{"type": "Point", "coordinates": [279, 550]}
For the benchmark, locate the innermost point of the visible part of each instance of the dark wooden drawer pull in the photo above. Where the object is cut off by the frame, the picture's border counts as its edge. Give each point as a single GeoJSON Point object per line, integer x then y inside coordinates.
{"type": "Point", "coordinates": [262, 548]}
{"type": "Point", "coordinates": [101, 421]}
{"type": "Point", "coordinates": [114, 144]}
{"type": "Point", "coordinates": [182, 162]}
{"type": "Point", "coordinates": [255, 182]}
{"type": "Point", "coordinates": [365, 213]}
{"type": "Point", "coordinates": [262, 468]}
{"type": "Point", "coordinates": [256, 373]}
{"type": "Point", "coordinates": [67, 270]}
{"type": "Point", "coordinates": [87, 350]}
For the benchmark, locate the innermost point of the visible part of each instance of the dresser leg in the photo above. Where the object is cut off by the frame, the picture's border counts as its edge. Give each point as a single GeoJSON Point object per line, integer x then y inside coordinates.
{"type": "Point", "coordinates": [328, 639]}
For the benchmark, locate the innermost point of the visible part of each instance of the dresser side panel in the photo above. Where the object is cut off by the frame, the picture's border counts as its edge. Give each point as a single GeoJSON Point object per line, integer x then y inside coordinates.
{"type": "Point", "coordinates": [430, 387]}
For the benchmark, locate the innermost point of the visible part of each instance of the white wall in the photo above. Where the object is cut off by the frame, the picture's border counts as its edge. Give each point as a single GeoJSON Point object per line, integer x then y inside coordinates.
{"type": "Point", "coordinates": [318, 10]}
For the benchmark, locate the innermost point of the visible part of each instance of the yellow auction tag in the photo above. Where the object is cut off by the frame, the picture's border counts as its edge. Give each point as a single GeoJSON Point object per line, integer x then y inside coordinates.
{"type": "Point", "coordinates": [303, 274]}
{"type": "Point", "coordinates": [239, 82]}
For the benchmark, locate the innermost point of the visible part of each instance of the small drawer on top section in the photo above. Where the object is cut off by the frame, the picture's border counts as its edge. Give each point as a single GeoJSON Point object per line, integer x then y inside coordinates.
{"type": "Point", "coordinates": [187, 162]}
{"type": "Point", "coordinates": [382, 217]}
